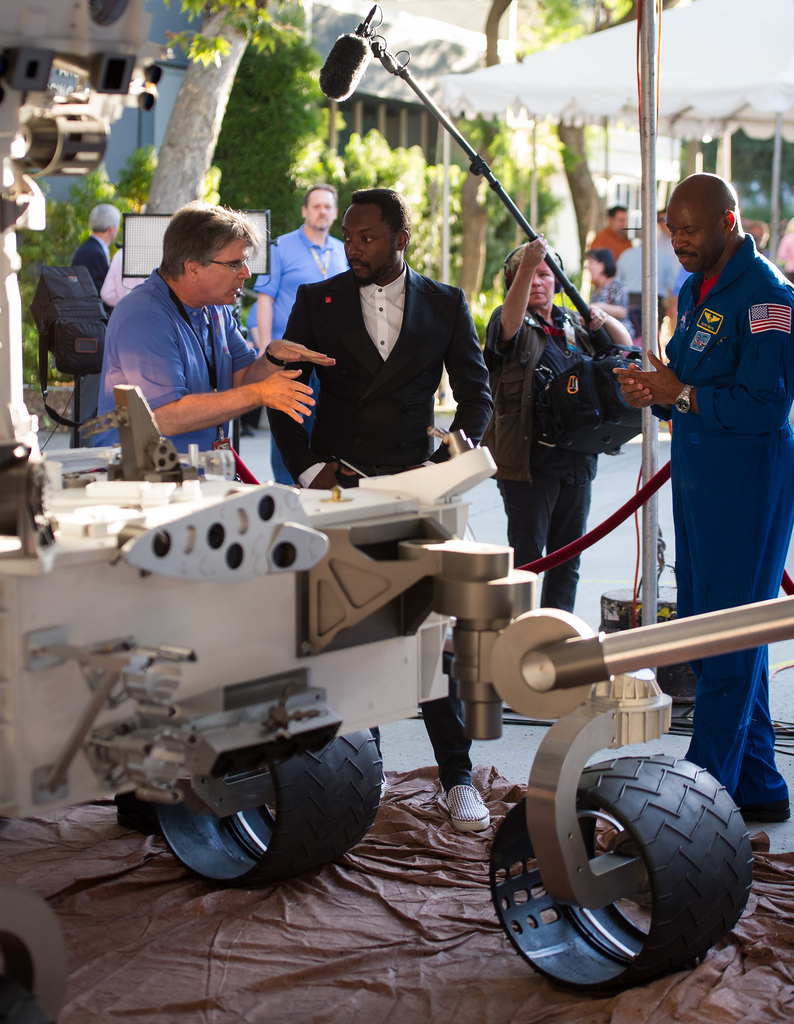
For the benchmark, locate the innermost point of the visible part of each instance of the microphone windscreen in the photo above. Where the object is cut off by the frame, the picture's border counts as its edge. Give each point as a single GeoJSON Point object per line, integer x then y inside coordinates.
{"type": "Point", "coordinates": [344, 67]}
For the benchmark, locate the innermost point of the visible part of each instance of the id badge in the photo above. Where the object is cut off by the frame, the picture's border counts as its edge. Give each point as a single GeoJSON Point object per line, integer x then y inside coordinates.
{"type": "Point", "coordinates": [222, 442]}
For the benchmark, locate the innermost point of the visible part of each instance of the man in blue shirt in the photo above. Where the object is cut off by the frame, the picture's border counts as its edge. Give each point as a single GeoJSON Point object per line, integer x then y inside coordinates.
{"type": "Point", "coordinates": [175, 337]}
{"type": "Point", "coordinates": [300, 257]}
{"type": "Point", "coordinates": [729, 387]}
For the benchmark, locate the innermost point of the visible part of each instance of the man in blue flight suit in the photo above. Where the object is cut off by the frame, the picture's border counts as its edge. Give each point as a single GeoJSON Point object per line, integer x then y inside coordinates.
{"type": "Point", "coordinates": [729, 386]}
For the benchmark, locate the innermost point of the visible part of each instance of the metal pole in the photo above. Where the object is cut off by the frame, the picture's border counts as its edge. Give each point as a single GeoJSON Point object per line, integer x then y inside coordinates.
{"type": "Point", "coordinates": [445, 211]}
{"type": "Point", "coordinates": [774, 225]}
{"type": "Point", "coordinates": [579, 662]}
{"type": "Point", "coordinates": [650, 318]}
{"type": "Point", "coordinates": [533, 188]}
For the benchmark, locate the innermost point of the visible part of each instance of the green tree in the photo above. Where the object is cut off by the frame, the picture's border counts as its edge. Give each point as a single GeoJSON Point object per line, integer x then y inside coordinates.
{"type": "Point", "coordinates": [227, 28]}
{"type": "Point", "coordinates": [273, 112]}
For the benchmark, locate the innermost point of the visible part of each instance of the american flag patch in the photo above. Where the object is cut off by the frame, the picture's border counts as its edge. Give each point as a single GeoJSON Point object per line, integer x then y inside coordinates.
{"type": "Point", "coordinates": [770, 317]}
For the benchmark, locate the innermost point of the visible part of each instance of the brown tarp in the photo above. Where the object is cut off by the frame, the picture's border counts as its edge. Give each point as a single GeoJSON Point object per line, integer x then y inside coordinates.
{"type": "Point", "coordinates": [400, 931]}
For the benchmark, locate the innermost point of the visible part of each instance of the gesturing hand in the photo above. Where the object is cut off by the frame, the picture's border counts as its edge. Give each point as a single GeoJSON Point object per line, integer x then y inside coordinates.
{"type": "Point", "coordinates": [292, 352]}
{"type": "Point", "coordinates": [281, 391]}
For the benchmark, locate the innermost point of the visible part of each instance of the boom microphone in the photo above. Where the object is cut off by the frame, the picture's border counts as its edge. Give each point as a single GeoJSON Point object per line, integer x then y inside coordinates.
{"type": "Point", "coordinates": [347, 62]}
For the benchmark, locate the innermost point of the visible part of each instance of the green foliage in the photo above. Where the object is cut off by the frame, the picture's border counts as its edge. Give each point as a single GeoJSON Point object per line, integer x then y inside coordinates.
{"type": "Point", "coordinates": [67, 228]}
{"type": "Point", "coordinates": [136, 175]}
{"type": "Point", "coordinates": [482, 308]}
{"type": "Point", "coordinates": [263, 23]}
{"type": "Point", "coordinates": [512, 160]}
{"type": "Point", "coordinates": [273, 113]}
{"type": "Point", "coordinates": [369, 163]}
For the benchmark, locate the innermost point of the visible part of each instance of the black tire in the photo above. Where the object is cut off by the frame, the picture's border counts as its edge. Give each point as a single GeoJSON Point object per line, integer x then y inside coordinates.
{"type": "Point", "coordinates": [696, 854]}
{"type": "Point", "coordinates": [322, 804]}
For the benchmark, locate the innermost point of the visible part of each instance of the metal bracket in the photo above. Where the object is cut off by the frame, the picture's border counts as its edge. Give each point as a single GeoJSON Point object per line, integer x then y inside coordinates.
{"type": "Point", "coordinates": [103, 667]}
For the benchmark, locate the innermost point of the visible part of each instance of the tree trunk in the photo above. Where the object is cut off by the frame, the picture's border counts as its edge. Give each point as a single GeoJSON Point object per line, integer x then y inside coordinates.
{"type": "Point", "coordinates": [195, 123]}
{"type": "Point", "coordinates": [474, 218]}
{"type": "Point", "coordinates": [586, 202]}
{"type": "Point", "coordinates": [498, 8]}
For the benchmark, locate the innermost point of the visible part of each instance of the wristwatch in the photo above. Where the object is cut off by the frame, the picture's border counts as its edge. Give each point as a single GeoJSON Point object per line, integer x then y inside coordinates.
{"type": "Point", "coordinates": [682, 402]}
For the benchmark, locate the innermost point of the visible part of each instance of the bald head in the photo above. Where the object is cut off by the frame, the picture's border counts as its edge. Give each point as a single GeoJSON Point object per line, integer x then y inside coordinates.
{"type": "Point", "coordinates": [712, 193]}
{"type": "Point", "coordinates": [704, 224]}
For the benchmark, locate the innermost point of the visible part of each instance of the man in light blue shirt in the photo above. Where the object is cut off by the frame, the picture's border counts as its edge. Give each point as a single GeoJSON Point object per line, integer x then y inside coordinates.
{"type": "Point", "coordinates": [300, 257]}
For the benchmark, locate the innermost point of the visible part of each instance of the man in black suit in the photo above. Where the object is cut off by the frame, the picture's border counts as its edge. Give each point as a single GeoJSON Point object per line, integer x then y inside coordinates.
{"type": "Point", "coordinates": [94, 253]}
{"type": "Point", "coordinates": [391, 332]}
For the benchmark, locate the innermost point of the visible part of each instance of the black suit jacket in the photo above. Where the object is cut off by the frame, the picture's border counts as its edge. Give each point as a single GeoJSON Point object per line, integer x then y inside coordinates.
{"type": "Point", "coordinates": [372, 412]}
{"type": "Point", "coordinates": [91, 255]}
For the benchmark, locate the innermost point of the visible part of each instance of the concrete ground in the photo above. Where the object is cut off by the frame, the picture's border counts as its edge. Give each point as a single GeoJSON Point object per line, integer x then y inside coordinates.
{"type": "Point", "coordinates": [606, 567]}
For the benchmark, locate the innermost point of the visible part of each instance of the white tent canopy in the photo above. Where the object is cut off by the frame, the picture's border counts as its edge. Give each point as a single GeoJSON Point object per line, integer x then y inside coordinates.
{"type": "Point", "coordinates": [725, 64]}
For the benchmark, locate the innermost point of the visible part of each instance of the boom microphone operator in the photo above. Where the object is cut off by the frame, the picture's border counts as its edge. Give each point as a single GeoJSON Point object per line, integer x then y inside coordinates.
{"type": "Point", "coordinates": [347, 62]}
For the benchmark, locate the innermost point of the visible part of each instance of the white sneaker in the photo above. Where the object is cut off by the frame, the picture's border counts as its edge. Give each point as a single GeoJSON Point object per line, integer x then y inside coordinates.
{"type": "Point", "coordinates": [465, 808]}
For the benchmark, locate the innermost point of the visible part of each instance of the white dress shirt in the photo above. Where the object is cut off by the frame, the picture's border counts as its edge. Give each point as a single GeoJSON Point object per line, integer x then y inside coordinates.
{"type": "Point", "coordinates": [382, 308]}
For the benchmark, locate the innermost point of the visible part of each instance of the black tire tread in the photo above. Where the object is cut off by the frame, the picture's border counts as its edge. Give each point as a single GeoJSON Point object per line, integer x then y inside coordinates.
{"type": "Point", "coordinates": [695, 849]}
{"type": "Point", "coordinates": [325, 802]}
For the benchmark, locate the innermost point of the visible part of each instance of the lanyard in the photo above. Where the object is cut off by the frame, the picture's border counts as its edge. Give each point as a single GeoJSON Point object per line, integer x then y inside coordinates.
{"type": "Point", "coordinates": [321, 263]}
{"type": "Point", "coordinates": [210, 362]}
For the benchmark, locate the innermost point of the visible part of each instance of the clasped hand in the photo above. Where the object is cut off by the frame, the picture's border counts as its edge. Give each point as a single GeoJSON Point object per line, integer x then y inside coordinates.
{"type": "Point", "coordinates": [641, 388]}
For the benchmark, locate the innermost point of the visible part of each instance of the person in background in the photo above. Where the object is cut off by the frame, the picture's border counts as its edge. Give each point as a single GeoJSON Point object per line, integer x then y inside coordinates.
{"type": "Point", "coordinates": [610, 294]}
{"type": "Point", "coordinates": [115, 287]}
{"type": "Point", "coordinates": [615, 235]}
{"type": "Point", "coordinates": [759, 229]}
{"type": "Point", "coordinates": [630, 273]}
{"type": "Point", "coordinates": [785, 251]}
{"type": "Point", "coordinates": [94, 254]}
{"type": "Point", "coordinates": [300, 257]}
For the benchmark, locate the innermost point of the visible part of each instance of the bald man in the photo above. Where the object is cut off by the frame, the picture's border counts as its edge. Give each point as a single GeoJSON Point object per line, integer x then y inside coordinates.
{"type": "Point", "coordinates": [728, 386]}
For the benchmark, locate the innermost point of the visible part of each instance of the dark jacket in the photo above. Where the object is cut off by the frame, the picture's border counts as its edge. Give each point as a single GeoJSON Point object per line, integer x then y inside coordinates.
{"type": "Point", "coordinates": [91, 255]}
{"type": "Point", "coordinates": [512, 378]}
{"type": "Point", "coordinates": [372, 412]}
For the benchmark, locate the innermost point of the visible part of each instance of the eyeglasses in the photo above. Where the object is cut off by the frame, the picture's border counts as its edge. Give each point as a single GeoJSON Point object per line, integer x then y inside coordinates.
{"type": "Point", "coordinates": [233, 266]}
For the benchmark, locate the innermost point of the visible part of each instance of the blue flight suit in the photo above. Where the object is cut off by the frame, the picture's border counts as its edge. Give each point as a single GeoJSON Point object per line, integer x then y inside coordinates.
{"type": "Point", "coordinates": [733, 500]}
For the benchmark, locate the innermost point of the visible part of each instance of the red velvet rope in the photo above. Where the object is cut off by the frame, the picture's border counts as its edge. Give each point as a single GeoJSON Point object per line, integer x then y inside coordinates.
{"type": "Point", "coordinates": [243, 472]}
{"type": "Point", "coordinates": [558, 557]}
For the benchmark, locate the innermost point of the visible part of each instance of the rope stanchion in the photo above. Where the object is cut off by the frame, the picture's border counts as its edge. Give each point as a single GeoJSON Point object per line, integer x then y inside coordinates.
{"type": "Point", "coordinates": [563, 554]}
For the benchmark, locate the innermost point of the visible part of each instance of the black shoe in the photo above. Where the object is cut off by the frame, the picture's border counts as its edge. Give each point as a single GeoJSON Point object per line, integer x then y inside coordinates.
{"type": "Point", "coordinates": [774, 810]}
{"type": "Point", "coordinates": [136, 815]}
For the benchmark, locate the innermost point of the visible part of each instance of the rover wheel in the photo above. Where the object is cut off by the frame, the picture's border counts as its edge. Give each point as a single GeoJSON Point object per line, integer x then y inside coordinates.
{"type": "Point", "coordinates": [697, 864]}
{"type": "Point", "coordinates": [32, 958]}
{"type": "Point", "coordinates": [316, 807]}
